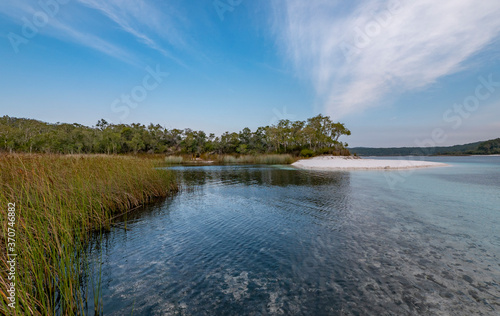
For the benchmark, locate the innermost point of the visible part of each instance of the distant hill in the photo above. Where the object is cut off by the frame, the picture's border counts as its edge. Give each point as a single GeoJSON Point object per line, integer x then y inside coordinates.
{"type": "Point", "coordinates": [489, 147]}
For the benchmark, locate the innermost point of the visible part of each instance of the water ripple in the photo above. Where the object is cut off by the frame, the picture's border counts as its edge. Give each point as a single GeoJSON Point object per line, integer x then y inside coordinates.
{"type": "Point", "coordinates": [270, 241]}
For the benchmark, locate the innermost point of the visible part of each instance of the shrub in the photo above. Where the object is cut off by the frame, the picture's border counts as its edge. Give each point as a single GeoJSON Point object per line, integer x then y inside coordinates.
{"type": "Point", "coordinates": [306, 153]}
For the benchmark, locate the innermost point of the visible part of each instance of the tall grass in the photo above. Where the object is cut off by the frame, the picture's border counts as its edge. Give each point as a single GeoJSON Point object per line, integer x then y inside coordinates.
{"type": "Point", "coordinates": [256, 159]}
{"type": "Point", "coordinates": [59, 200]}
{"type": "Point", "coordinates": [174, 160]}
{"type": "Point", "coordinates": [270, 159]}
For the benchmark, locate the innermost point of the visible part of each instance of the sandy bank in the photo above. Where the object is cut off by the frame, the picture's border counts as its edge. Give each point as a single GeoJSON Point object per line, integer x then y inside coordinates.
{"type": "Point", "coordinates": [356, 163]}
{"type": "Point", "coordinates": [485, 155]}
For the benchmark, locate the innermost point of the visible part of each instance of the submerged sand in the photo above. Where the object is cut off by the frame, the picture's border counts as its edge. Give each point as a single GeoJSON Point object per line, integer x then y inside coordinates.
{"type": "Point", "coordinates": [356, 163]}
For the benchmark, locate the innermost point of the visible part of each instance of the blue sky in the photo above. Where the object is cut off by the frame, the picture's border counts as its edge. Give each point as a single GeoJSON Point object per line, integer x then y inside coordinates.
{"type": "Point", "coordinates": [398, 73]}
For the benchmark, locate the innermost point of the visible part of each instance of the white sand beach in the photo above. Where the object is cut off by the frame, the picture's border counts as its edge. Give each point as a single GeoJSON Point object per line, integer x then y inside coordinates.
{"type": "Point", "coordinates": [356, 163]}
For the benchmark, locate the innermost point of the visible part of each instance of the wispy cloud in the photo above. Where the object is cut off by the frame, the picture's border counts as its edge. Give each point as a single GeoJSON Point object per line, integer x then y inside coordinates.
{"type": "Point", "coordinates": [357, 55]}
{"type": "Point", "coordinates": [58, 26]}
{"type": "Point", "coordinates": [154, 25]}
{"type": "Point", "coordinates": [94, 42]}
{"type": "Point", "coordinates": [132, 16]}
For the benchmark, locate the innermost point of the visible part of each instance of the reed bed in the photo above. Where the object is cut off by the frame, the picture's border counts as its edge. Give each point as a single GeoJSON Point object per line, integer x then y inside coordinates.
{"type": "Point", "coordinates": [59, 200]}
{"type": "Point", "coordinates": [174, 160]}
{"type": "Point", "coordinates": [270, 159]}
{"type": "Point", "coordinates": [257, 159]}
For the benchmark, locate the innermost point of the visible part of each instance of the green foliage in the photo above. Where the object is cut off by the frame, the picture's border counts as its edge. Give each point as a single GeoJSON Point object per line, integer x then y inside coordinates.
{"type": "Point", "coordinates": [256, 159]}
{"type": "Point", "coordinates": [59, 200]}
{"type": "Point", "coordinates": [479, 148]}
{"type": "Point", "coordinates": [491, 147]}
{"type": "Point", "coordinates": [274, 159]}
{"type": "Point", "coordinates": [306, 153]}
{"type": "Point", "coordinates": [25, 135]}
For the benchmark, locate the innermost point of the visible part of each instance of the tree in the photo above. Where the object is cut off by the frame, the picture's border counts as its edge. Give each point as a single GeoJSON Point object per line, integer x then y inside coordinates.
{"type": "Point", "coordinates": [25, 135]}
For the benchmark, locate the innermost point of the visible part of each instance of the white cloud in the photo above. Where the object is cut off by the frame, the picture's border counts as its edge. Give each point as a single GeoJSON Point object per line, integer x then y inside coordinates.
{"type": "Point", "coordinates": [156, 27]}
{"type": "Point", "coordinates": [357, 56]}
{"type": "Point", "coordinates": [59, 27]}
{"type": "Point", "coordinates": [92, 41]}
{"type": "Point", "coordinates": [133, 16]}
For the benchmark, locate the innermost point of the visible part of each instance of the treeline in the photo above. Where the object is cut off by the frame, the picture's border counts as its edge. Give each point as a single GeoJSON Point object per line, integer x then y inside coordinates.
{"type": "Point", "coordinates": [316, 135]}
{"type": "Point", "coordinates": [413, 151]}
{"type": "Point", "coordinates": [489, 147]}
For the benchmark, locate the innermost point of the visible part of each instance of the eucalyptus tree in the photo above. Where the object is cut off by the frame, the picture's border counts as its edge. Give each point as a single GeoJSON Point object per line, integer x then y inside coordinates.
{"type": "Point", "coordinates": [317, 133]}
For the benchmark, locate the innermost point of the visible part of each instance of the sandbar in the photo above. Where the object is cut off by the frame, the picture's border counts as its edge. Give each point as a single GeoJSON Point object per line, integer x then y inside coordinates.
{"type": "Point", "coordinates": [357, 163]}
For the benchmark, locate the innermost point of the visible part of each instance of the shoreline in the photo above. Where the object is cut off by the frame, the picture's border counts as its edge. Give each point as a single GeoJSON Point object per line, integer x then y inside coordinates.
{"type": "Point", "coordinates": [355, 163]}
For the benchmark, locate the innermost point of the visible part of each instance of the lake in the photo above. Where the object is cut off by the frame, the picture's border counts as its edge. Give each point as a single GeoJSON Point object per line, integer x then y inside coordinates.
{"type": "Point", "coordinates": [271, 240]}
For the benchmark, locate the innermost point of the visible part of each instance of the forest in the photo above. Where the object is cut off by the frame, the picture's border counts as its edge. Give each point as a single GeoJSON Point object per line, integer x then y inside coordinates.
{"type": "Point", "coordinates": [489, 147]}
{"type": "Point", "coordinates": [316, 135]}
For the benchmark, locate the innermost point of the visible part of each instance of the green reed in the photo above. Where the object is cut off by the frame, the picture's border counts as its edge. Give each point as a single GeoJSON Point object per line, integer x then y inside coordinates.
{"type": "Point", "coordinates": [264, 159]}
{"type": "Point", "coordinates": [59, 201]}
